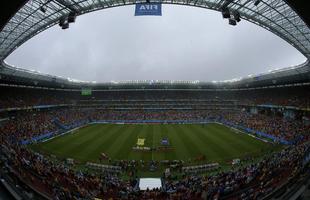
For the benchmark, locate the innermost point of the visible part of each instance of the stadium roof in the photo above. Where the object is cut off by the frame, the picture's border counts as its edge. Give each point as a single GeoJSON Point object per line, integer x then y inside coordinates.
{"type": "Point", "coordinates": [274, 15]}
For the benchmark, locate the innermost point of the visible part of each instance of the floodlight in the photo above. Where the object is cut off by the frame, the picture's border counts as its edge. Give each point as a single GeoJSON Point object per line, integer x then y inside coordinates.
{"type": "Point", "coordinates": [65, 25]}
{"type": "Point", "coordinates": [256, 2]}
{"type": "Point", "coordinates": [225, 12]}
{"type": "Point", "coordinates": [232, 22]}
{"type": "Point", "coordinates": [236, 15]}
{"type": "Point", "coordinates": [62, 21]}
{"type": "Point", "coordinates": [71, 17]}
{"type": "Point", "coordinates": [43, 9]}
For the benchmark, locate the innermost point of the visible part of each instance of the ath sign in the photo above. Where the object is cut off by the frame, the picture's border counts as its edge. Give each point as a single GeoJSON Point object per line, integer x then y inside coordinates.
{"type": "Point", "coordinates": [148, 9]}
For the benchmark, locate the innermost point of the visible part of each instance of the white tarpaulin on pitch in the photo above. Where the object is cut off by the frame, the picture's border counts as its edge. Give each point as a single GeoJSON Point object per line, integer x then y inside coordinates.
{"type": "Point", "coordinates": [150, 183]}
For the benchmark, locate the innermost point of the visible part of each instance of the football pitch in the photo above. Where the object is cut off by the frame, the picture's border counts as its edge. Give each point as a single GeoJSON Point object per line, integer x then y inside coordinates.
{"type": "Point", "coordinates": [216, 142]}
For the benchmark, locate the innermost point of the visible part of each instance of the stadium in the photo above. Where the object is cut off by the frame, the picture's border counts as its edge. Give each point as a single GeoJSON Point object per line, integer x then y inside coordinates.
{"type": "Point", "coordinates": [246, 138]}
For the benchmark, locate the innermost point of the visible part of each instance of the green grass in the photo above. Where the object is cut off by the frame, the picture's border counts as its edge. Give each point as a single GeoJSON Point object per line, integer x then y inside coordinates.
{"type": "Point", "coordinates": [217, 142]}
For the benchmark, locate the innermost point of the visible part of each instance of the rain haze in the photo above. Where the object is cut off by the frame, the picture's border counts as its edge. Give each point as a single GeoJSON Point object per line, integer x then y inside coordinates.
{"type": "Point", "coordinates": [186, 43]}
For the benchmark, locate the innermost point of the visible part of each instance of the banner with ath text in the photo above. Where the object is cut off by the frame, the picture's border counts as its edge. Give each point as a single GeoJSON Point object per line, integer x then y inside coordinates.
{"type": "Point", "coordinates": [148, 9]}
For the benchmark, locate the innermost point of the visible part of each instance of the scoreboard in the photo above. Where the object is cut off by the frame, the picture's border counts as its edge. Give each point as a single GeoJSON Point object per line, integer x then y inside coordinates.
{"type": "Point", "coordinates": [86, 91]}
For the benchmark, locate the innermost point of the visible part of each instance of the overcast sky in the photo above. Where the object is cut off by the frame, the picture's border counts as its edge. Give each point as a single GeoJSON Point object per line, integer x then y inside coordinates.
{"type": "Point", "coordinates": [186, 43]}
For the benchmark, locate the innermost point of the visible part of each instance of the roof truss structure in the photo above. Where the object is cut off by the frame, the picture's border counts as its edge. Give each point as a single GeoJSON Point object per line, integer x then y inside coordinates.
{"type": "Point", "coordinates": [273, 15]}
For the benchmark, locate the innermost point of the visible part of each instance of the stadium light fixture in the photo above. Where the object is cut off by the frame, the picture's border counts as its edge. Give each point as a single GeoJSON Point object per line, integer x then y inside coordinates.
{"type": "Point", "coordinates": [71, 17]}
{"type": "Point", "coordinates": [256, 2]}
{"type": "Point", "coordinates": [63, 23]}
{"type": "Point", "coordinates": [232, 22]}
{"type": "Point", "coordinates": [225, 13]}
{"type": "Point", "coordinates": [236, 15]}
{"type": "Point", "coordinates": [43, 9]}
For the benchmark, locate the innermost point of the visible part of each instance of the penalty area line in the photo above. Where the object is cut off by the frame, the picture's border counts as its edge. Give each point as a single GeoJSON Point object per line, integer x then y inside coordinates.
{"type": "Point", "coordinates": [238, 131]}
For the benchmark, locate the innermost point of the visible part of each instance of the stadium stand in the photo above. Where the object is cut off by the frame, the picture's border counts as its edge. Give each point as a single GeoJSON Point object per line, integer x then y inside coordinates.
{"type": "Point", "coordinates": [35, 107]}
{"type": "Point", "coordinates": [31, 117]}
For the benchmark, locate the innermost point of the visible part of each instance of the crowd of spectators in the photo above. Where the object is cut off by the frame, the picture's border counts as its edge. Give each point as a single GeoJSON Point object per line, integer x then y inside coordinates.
{"type": "Point", "coordinates": [59, 181]}
{"type": "Point", "coordinates": [26, 125]}
{"type": "Point", "coordinates": [24, 97]}
{"type": "Point", "coordinates": [278, 126]}
{"type": "Point", "coordinates": [30, 124]}
{"type": "Point", "coordinates": [251, 181]}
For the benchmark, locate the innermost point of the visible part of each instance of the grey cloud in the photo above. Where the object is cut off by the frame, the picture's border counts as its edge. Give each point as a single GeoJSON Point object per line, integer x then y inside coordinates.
{"type": "Point", "coordinates": [186, 43]}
